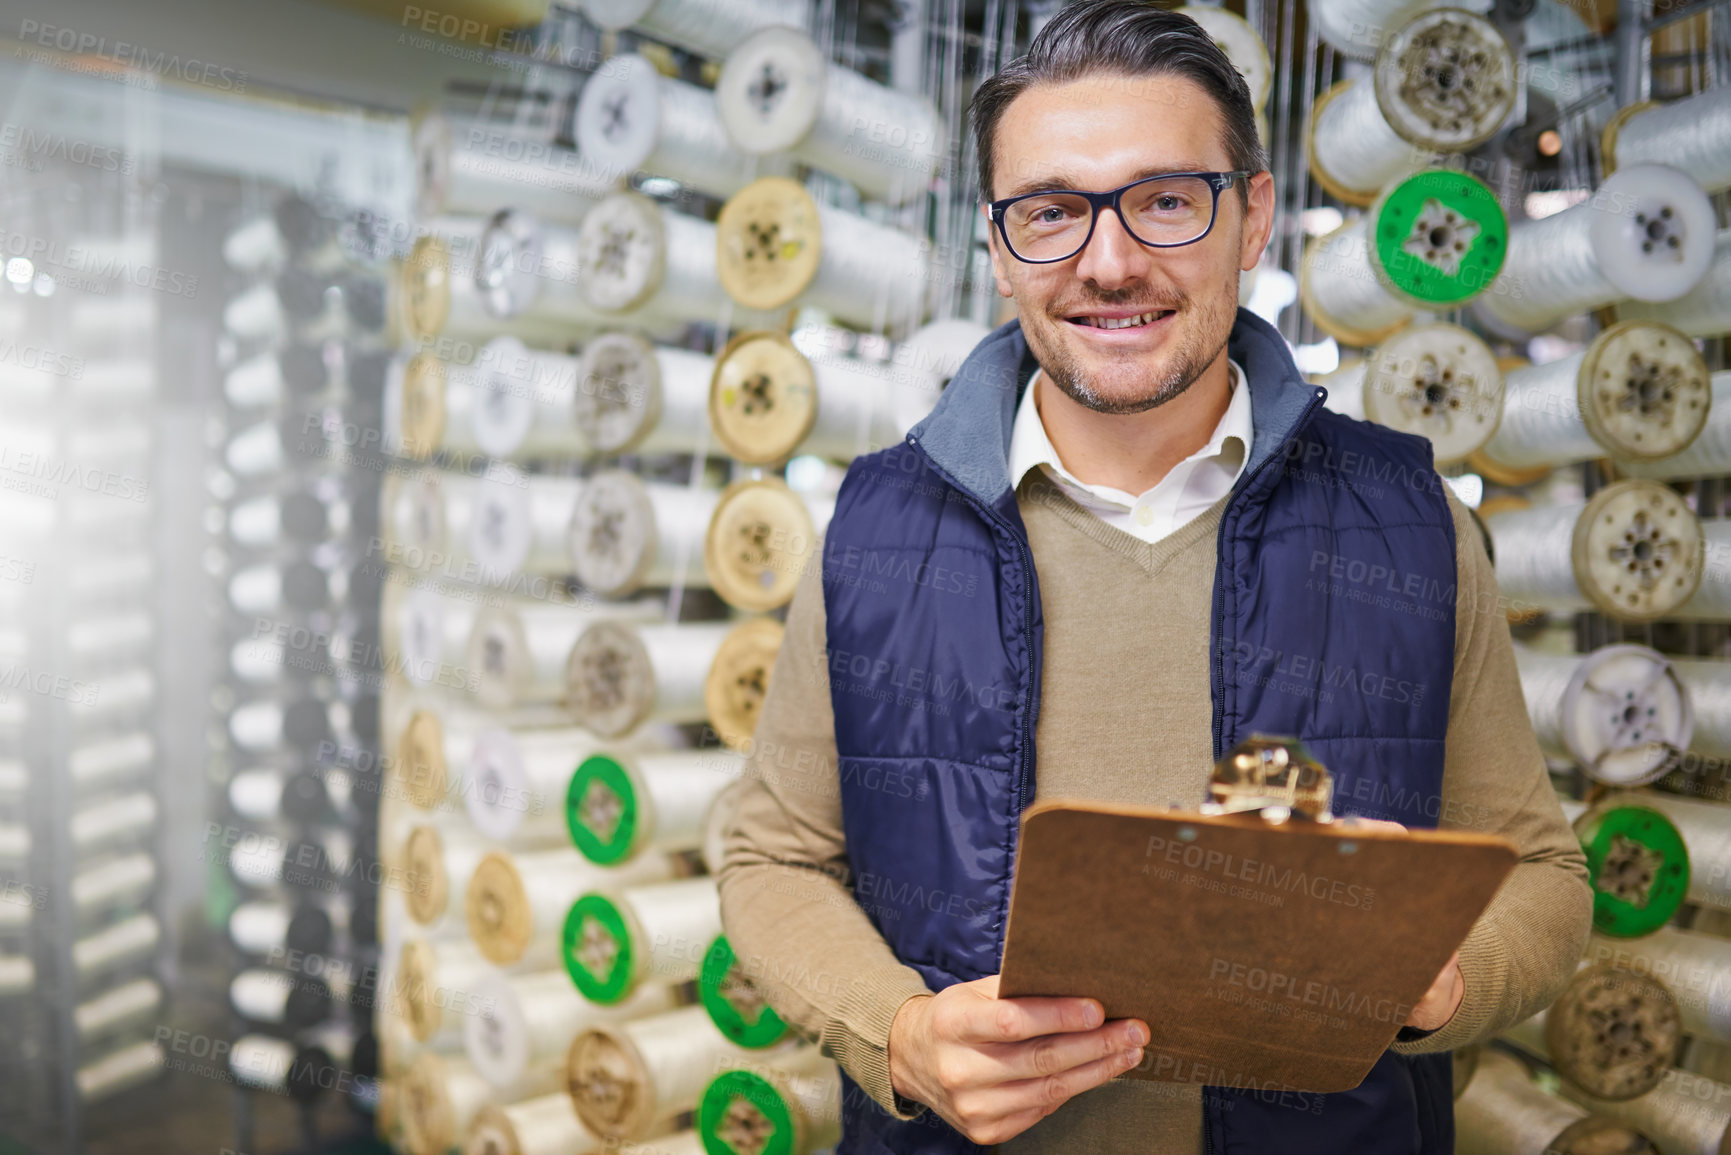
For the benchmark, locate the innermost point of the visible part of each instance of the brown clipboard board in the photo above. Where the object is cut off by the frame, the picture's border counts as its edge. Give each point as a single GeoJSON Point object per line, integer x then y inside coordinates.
{"type": "Point", "coordinates": [1282, 957]}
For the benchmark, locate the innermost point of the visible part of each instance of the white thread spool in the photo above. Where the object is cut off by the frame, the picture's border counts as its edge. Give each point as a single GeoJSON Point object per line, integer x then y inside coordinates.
{"type": "Point", "coordinates": [1634, 552]}
{"type": "Point", "coordinates": [1695, 967]}
{"type": "Point", "coordinates": [283, 999]}
{"type": "Point", "coordinates": [1647, 233]}
{"type": "Point", "coordinates": [116, 820]}
{"type": "Point", "coordinates": [677, 1143]}
{"type": "Point", "coordinates": [926, 361]}
{"type": "Point", "coordinates": [255, 246]}
{"type": "Point", "coordinates": [635, 397]}
{"type": "Point", "coordinates": [1701, 824]}
{"type": "Point", "coordinates": [1692, 134]}
{"type": "Point", "coordinates": [442, 1095]}
{"type": "Point", "coordinates": [438, 860]}
{"type": "Point", "coordinates": [272, 724]}
{"type": "Point", "coordinates": [1684, 1113]}
{"type": "Point", "coordinates": [626, 534]}
{"type": "Point", "coordinates": [623, 676]}
{"type": "Point", "coordinates": [738, 679]}
{"type": "Point", "coordinates": [115, 946]}
{"type": "Point", "coordinates": [1640, 391]}
{"type": "Point", "coordinates": [775, 245]}
{"type": "Point", "coordinates": [14, 842]}
{"type": "Point", "coordinates": [17, 974]}
{"type": "Point", "coordinates": [121, 699]}
{"type": "Point", "coordinates": [526, 1022]}
{"type": "Point", "coordinates": [14, 780]}
{"type": "Point", "coordinates": [273, 927]}
{"type": "Point", "coordinates": [114, 639]}
{"type": "Point", "coordinates": [1712, 598]}
{"type": "Point", "coordinates": [1705, 310]}
{"type": "Point", "coordinates": [530, 269]}
{"type": "Point", "coordinates": [544, 1126]}
{"type": "Point", "coordinates": [423, 633]}
{"type": "Point", "coordinates": [516, 903]}
{"type": "Point", "coordinates": [668, 797]}
{"type": "Point", "coordinates": [108, 760]}
{"type": "Point", "coordinates": [442, 290]}
{"type": "Point", "coordinates": [117, 1009]}
{"type": "Point", "coordinates": [618, 942]}
{"type": "Point", "coordinates": [778, 94]}
{"type": "Point", "coordinates": [518, 524]}
{"type": "Point", "coordinates": [518, 653]}
{"type": "Point", "coordinates": [254, 382]}
{"type": "Point", "coordinates": [255, 451]}
{"type": "Point", "coordinates": [114, 884]}
{"type": "Point", "coordinates": [1243, 47]}
{"type": "Point", "coordinates": [513, 401]}
{"type": "Point", "coordinates": [1708, 682]}
{"type": "Point", "coordinates": [470, 167]}
{"type": "Point", "coordinates": [434, 987]}
{"type": "Point", "coordinates": [426, 519]}
{"type": "Point", "coordinates": [631, 118]}
{"type": "Point", "coordinates": [1437, 380]}
{"type": "Point", "coordinates": [769, 401]}
{"type": "Point", "coordinates": [434, 746]}
{"type": "Point", "coordinates": [1357, 28]}
{"type": "Point", "coordinates": [128, 1066]}
{"type": "Point", "coordinates": [709, 28]}
{"type": "Point", "coordinates": [255, 314]}
{"type": "Point", "coordinates": [519, 781]}
{"type": "Point", "coordinates": [629, 1079]}
{"type": "Point", "coordinates": [317, 860]}
{"type": "Point", "coordinates": [761, 538]}
{"type": "Point", "coordinates": [1503, 1110]}
{"type": "Point", "coordinates": [1341, 292]}
{"type": "Point", "coordinates": [1621, 713]}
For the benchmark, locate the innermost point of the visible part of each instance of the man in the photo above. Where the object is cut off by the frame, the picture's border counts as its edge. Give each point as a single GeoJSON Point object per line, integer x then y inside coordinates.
{"type": "Point", "coordinates": [1127, 537]}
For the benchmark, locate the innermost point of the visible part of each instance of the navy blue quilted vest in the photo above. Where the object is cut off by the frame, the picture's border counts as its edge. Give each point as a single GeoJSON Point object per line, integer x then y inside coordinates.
{"type": "Point", "coordinates": [1336, 571]}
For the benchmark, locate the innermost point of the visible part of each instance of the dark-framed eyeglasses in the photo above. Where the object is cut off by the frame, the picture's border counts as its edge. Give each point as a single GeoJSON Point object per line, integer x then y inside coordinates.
{"type": "Point", "coordinates": [1162, 211]}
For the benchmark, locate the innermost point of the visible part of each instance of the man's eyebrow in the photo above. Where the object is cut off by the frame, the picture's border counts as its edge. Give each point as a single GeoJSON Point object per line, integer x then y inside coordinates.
{"type": "Point", "coordinates": [1057, 181]}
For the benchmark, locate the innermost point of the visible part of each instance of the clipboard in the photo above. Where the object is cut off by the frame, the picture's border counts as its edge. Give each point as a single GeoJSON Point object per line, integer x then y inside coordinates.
{"type": "Point", "coordinates": [1278, 955]}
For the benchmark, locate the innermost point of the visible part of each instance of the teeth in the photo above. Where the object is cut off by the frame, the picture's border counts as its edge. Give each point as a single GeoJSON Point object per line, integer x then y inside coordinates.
{"type": "Point", "coordinates": [1121, 323]}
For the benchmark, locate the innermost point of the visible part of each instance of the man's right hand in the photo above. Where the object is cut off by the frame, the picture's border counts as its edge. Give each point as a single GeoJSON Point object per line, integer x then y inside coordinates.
{"type": "Point", "coordinates": [991, 1068]}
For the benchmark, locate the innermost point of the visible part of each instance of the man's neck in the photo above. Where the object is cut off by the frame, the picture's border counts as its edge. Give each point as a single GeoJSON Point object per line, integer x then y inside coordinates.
{"type": "Point", "coordinates": [1133, 451]}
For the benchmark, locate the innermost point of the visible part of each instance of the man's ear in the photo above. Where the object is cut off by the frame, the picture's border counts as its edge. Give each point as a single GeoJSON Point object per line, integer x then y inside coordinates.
{"type": "Point", "coordinates": [1258, 219]}
{"type": "Point", "coordinates": [1004, 289]}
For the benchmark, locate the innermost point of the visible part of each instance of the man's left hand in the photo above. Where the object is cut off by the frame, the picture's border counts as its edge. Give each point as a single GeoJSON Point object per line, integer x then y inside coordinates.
{"type": "Point", "coordinates": [1442, 1000]}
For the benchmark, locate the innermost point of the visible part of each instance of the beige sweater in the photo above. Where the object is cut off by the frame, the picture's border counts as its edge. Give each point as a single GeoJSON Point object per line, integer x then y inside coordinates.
{"type": "Point", "coordinates": [1125, 716]}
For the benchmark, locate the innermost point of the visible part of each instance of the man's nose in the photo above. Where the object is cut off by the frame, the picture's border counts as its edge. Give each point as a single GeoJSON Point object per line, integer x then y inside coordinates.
{"type": "Point", "coordinates": [1112, 256]}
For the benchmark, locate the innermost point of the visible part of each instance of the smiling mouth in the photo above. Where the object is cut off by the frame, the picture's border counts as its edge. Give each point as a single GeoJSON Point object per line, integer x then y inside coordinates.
{"type": "Point", "coordinates": [1135, 322]}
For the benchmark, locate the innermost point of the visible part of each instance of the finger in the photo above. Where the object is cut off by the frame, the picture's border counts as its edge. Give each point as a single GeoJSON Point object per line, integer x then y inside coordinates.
{"type": "Point", "coordinates": [1354, 820]}
{"type": "Point", "coordinates": [1055, 1054]}
{"type": "Point", "coordinates": [1014, 1020]}
{"type": "Point", "coordinates": [1050, 1092]}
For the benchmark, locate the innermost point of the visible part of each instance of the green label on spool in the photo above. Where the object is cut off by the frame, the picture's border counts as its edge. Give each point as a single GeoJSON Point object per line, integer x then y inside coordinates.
{"type": "Point", "coordinates": [1440, 238]}
{"type": "Point", "coordinates": [597, 949]}
{"type": "Point", "coordinates": [735, 1006]}
{"type": "Point", "coordinates": [601, 810]}
{"type": "Point", "coordinates": [742, 1113]}
{"type": "Point", "coordinates": [1639, 867]}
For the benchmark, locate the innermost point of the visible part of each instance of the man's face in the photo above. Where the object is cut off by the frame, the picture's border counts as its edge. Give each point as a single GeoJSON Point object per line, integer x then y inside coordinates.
{"type": "Point", "coordinates": [1098, 133]}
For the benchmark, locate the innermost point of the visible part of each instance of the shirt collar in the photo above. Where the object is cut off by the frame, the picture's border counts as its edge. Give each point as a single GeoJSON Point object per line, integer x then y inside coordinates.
{"type": "Point", "coordinates": [1030, 447]}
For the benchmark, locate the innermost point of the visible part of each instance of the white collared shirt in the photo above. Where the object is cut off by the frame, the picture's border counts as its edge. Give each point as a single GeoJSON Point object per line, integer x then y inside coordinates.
{"type": "Point", "coordinates": [1185, 492]}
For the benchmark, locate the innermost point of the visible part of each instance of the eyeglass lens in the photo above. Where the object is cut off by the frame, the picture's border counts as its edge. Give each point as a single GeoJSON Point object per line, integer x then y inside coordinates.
{"type": "Point", "coordinates": [1053, 226]}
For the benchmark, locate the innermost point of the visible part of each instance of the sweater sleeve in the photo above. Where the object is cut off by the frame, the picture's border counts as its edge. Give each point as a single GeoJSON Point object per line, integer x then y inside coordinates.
{"type": "Point", "coordinates": [786, 905]}
{"type": "Point", "coordinates": [1522, 950]}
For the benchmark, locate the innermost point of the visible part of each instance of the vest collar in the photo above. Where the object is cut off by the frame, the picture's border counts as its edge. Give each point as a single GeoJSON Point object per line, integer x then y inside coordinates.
{"type": "Point", "coordinates": [967, 434]}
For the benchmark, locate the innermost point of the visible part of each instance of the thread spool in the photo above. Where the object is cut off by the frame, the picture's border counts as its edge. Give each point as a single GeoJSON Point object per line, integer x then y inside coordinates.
{"type": "Point", "coordinates": [1634, 552]}
{"type": "Point", "coordinates": [544, 1126]}
{"type": "Point", "coordinates": [1620, 713]}
{"type": "Point", "coordinates": [640, 258]}
{"type": "Point", "coordinates": [117, 1009]}
{"type": "Point", "coordinates": [1503, 1110]}
{"type": "Point", "coordinates": [1438, 381]}
{"type": "Point", "coordinates": [531, 269]}
{"type": "Point", "coordinates": [17, 975]}
{"type": "Point", "coordinates": [117, 945]}
{"type": "Point", "coordinates": [1646, 233]}
{"type": "Point", "coordinates": [778, 94]}
{"type": "Point", "coordinates": [761, 538]}
{"type": "Point", "coordinates": [621, 803]}
{"type": "Point", "coordinates": [767, 401]}
{"type": "Point", "coordinates": [288, 1001]}
{"type": "Point", "coordinates": [519, 782]}
{"type": "Point", "coordinates": [518, 524]}
{"type": "Point", "coordinates": [269, 725]}
{"type": "Point", "coordinates": [426, 515]}
{"type": "Point", "coordinates": [114, 820]}
{"type": "Point", "coordinates": [1692, 134]}
{"type": "Point", "coordinates": [709, 28]}
{"type": "Point", "coordinates": [1356, 28]}
{"type": "Point", "coordinates": [627, 534]}
{"type": "Point", "coordinates": [775, 245]}
{"type": "Point", "coordinates": [441, 1097]}
{"type": "Point", "coordinates": [1708, 455]}
{"type": "Point", "coordinates": [256, 246]}
{"type": "Point", "coordinates": [519, 653]}
{"type": "Point", "coordinates": [734, 1003]}
{"type": "Point", "coordinates": [269, 590]}
{"type": "Point", "coordinates": [677, 1143]}
{"type": "Point", "coordinates": [617, 942]}
{"type": "Point", "coordinates": [1637, 861]}
{"type": "Point", "coordinates": [1684, 1113]}
{"type": "Point", "coordinates": [1431, 241]}
{"type": "Point", "coordinates": [1691, 966]}
{"type": "Point", "coordinates": [266, 795]}
{"type": "Point", "coordinates": [620, 677]}
{"type": "Point", "coordinates": [1712, 600]}
{"type": "Point", "coordinates": [1708, 683]}
{"type": "Point", "coordinates": [316, 861]}
{"type": "Point", "coordinates": [526, 1022]}
{"type": "Point", "coordinates": [108, 760]}
{"type": "Point", "coordinates": [1242, 45]}
{"type": "Point", "coordinates": [628, 1079]}
{"type": "Point", "coordinates": [441, 284]}
{"type": "Point", "coordinates": [1702, 828]}
{"type": "Point", "coordinates": [470, 168]}
{"type": "Point", "coordinates": [430, 748]}
{"type": "Point", "coordinates": [511, 401]}
{"type": "Point", "coordinates": [631, 118]}
{"type": "Point", "coordinates": [275, 927]}
{"type": "Point", "coordinates": [1611, 1032]}
{"type": "Point", "coordinates": [126, 1067]}
{"type": "Point", "coordinates": [438, 861]}
{"type": "Point", "coordinates": [434, 987]}
{"type": "Point", "coordinates": [1703, 311]}
{"type": "Point", "coordinates": [516, 903]}
{"type": "Point", "coordinates": [119, 882]}
{"type": "Point", "coordinates": [799, 1110]}
{"type": "Point", "coordinates": [423, 632]}
{"type": "Point", "coordinates": [738, 679]}
{"type": "Point", "coordinates": [635, 397]}
{"type": "Point", "coordinates": [1640, 391]}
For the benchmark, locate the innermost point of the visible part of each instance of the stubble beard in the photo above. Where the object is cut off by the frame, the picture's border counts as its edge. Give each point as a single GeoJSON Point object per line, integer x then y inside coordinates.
{"type": "Point", "coordinates": [1198, 345]}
